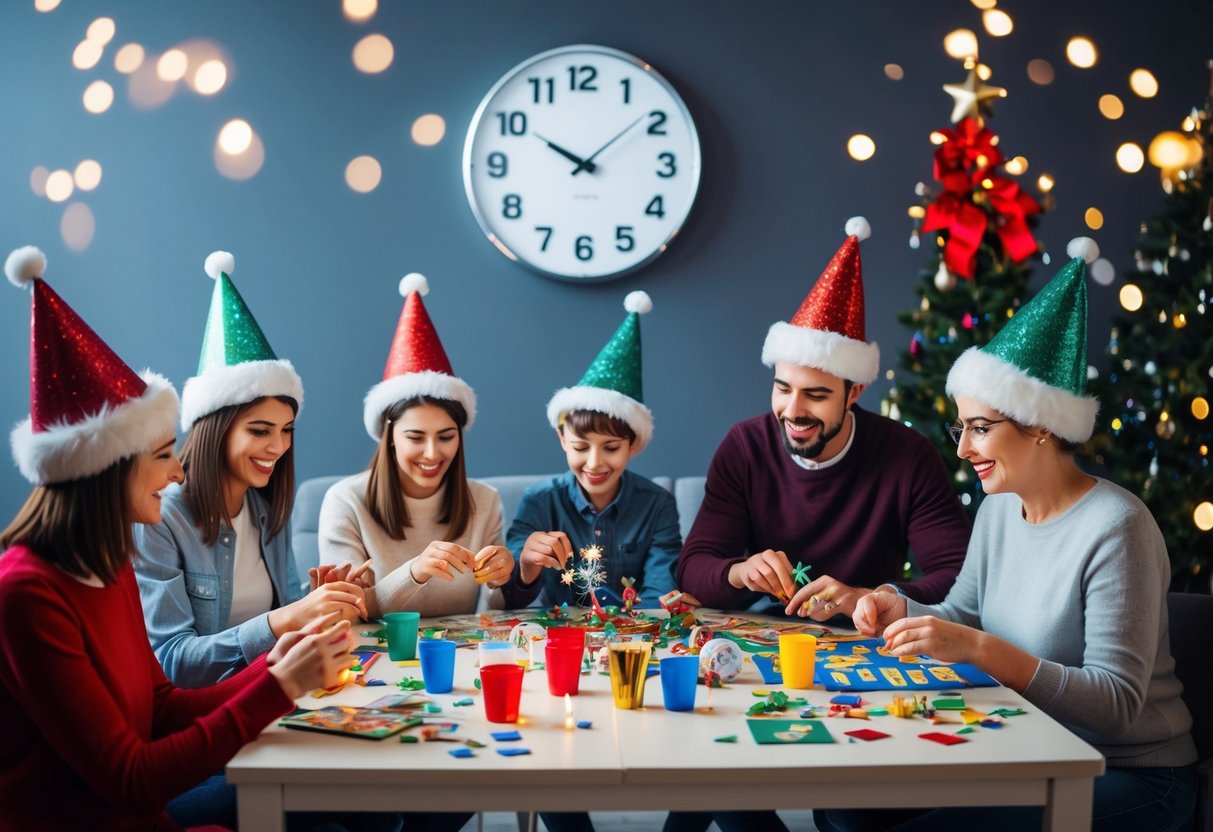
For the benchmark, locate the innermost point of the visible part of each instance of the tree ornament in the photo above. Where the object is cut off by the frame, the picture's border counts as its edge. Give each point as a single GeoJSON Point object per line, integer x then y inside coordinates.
{"type": "Point", "coordinates": [972, 99]}
{"type": "Point", "coordinates": [945, 281]}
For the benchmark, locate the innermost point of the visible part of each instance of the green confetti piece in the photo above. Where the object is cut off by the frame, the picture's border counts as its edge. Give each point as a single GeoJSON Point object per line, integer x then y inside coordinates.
{"type": "Point", "coordinates": [408, 738]}
{"type": "Point", "coordinates": [877, 712]}
{"type": "Point", "coordinates": [476, 683]}
{"type": "Point", "coordinates": [459, 703]}
{"type": "Point", "coordinates": [410, 683]}
{"type": "Point", "coordinates": [431, 708]}
{"type": "Point", "coordinates": [966, 730]}
{"type": "Point", "coordinates": [729, 738]}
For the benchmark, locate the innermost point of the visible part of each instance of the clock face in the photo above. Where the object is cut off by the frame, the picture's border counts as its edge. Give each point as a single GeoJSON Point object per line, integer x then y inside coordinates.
{"type": "Point", "coordinates": [581, 163]}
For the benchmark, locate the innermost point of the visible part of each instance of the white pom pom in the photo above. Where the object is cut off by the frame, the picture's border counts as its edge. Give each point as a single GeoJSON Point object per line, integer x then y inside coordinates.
{"type": "Point", "coordinates": [638, 302]}
{"type": "Point", "coordinates": [1102, 272]}
{"type": "Point", "coordinates": [24, 264]}
{"type": "Point", "coordinates": [414, 282]}
{"type": "Point", "coordinates": [220, 262]}
{"type": "Point", "coordinates": [858, 227]}
{"type": "Point", "coordinates": [1083, 247]}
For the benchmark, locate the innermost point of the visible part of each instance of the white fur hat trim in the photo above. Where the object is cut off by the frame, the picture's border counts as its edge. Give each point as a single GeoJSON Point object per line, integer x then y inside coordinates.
{"type": "Point", "coordinates": [241, 383]}
{"type": "Point", "coordinates": [836, 354]}
{"type": "Point", "coordinates": [67, 452]}
{"type": "Point", "coordinates": [601, 400]}
{"type": "Point", "coordinates": [1019, 396]}
{"type": "Point", "coordinates": [410, 385]}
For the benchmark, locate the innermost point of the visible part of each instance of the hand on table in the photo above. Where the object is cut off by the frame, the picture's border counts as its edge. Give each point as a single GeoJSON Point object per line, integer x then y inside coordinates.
{"type": "Point", "coordinates": [676, 597]}
{"type": "Point", "coordinates": [927, 635]}
{"type": "Point", "coordinates": [315, 656]}
{"type": "Point", "coordinates": [437, 561]}
{"type": "Point", "coordinates": [494, 565]}
{"type": "Point", "coordinates": [767, 571]}
{"type": "Point", "coordinates": [543, 550]}
{"type": "Point", "coordinates": [824, 598]}
{"type": "Point", "coordinates": [877, 610]}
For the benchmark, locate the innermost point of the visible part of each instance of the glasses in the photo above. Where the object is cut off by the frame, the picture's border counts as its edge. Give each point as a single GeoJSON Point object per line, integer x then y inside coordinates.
{"type": "Point", "coordinates": [977, 432]}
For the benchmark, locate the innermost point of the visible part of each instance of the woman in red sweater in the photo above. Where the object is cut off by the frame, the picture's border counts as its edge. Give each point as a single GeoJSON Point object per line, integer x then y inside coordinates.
{"type": "Point", "coordinates": [96, 736]}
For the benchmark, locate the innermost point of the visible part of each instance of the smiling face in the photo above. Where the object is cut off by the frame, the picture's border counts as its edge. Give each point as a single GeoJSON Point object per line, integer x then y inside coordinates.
{"type": "Point", "coordinates": [597, 460]}
{"type": "Point", "coordinates": [999, 451]}
{"type": "Point", "coordinates": [811, 406]}
{"type": "Point", "coordinates": [426, 440]}
{"type": "Point", "coordinates": [259, 436]}
{"type": "Point", "coordinates": [152, 472]}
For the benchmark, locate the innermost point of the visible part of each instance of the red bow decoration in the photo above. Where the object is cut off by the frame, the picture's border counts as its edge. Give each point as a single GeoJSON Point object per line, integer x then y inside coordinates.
{"type": "Point", "coordinates": [964, 164]}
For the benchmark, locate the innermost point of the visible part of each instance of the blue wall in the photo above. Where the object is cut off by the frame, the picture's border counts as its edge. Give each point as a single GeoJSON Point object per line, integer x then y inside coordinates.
{"type": "Point", "coordinates": [775, 87]}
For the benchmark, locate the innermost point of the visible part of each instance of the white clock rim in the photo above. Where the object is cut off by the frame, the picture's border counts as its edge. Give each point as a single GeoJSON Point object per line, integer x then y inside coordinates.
{"type": "Point", "coordinates": [644, 66]}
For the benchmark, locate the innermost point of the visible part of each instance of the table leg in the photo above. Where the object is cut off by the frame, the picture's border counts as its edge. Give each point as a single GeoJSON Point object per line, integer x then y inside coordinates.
{"type": "Point", "coordinates": [1069, 805]}
{"type": "Point", "coordinates": [259, 806]}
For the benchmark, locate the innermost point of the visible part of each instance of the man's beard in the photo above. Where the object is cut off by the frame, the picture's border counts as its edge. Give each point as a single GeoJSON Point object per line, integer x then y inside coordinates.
{"type": "Point", "coordinates": [813, 449]}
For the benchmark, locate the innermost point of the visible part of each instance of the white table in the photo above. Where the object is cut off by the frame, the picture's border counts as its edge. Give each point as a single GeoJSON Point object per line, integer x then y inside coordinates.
{"type": "Point", "coordinates": [650, 759]}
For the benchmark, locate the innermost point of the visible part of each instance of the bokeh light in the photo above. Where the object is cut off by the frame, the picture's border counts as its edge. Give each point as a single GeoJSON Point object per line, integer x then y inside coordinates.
{"type": "Point", "coordinates": [1102, 271]}
{"type": "Point", "coordinates": [894, 72]}
{"type": "Point", "coordinates": [861, 147]}
{"type": "Point", "coordinates": [1081, 53]}
{"type": "Point", "coordinates": [146, 89]}
{"type": "Point", "coordinates": [359, 10]}
{"type": "Point", "coordinates": [129, 58]}
{"type": "Point", "coordinates": [98, 97]}
{"type": "Point", "coordinates": [1203, 516]}
{"type": "Point", "coordinates": [1143, 83]}
{"type": "Point", "coordinates": [1017, 166]}
{"type": "Point", "coordinates": [101, 30]}
{"type": "Point", "coordinates": [1111, 107]}
{"type": "Point", "coordinates": [373, 54]}
{"type": "Point", "coordinates": [37, 180]}
{"type": "Point", "coordinates": [997, 22]}
{"type": "Point", "coordinates": [1168, 150]}
{"type": "Point", "coordinates": [87, 175]}
{"type": "Point", "coordinates": [210, 77]}
{"type": "Point", "coordinates": [428, 130]}
{"type": "Point", "coordinates": [1200, 407]}
{"type": "Point", "coordinates": [1093, 217]}
{"type": "Point", "coordinates": [1045, 182]}
{"type": "Point", "coordinates": [172, 65]}
{"type": "Point", "coordinates": [1040, 72]}
{"type": "Point", "coordinates": [86, 54]}
{"type": "Point", "coordinates": [77, 226]}
{"type": "Point", "coordinates": [46, 5]}
{"type": "Point", "coordinates": [984, 4]}
{"type": "Point", "coordinates": [244, 164]}
{"type": "Point", "coordinates": [1130, 158]}
{"type": "Point", "coordinates": [1131, 297]}
{"type": "Point", "coordinates": [59, 186]}
{"type": "Point", "coordinates": [960, 44]}
{"type": "Point", "coordinates": [235, 137]}
{"type": "Point", "coordinates": [363, 174]}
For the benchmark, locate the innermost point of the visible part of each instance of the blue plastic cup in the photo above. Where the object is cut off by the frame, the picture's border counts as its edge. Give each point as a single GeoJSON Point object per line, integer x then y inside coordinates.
{"type": "Point", "coordinates": [679, 676]}
{"type": "Point", "coordinates": [437, 664]}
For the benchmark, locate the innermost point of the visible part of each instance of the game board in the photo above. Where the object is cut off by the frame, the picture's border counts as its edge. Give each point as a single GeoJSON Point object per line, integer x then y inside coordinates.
{"type": "Point", "coordinates": [849, 663]}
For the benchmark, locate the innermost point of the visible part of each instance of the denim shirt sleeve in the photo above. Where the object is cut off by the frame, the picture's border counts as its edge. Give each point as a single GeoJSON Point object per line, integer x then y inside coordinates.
{"type": "Point", "coordinates": [186, 602]}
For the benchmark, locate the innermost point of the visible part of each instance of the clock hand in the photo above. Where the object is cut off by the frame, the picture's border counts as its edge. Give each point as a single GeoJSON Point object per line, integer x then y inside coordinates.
{"type": "Point", "coordinates": [588, 165]}
{"type": "Point", "coordinates": [582, 164]}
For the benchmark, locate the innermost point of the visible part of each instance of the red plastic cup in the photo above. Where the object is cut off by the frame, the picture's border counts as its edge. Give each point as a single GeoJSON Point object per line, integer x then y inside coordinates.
{"type": "Point", "coordinates": [566, 635]}
{"type": "Point", "coordinates": [502, 687]}
{"type": "Point", "coordinates": [564, 666]}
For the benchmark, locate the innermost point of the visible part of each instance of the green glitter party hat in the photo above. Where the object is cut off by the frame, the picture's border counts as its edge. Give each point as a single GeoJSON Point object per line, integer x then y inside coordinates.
{"type": "Point", "coordinates": [612, 384]}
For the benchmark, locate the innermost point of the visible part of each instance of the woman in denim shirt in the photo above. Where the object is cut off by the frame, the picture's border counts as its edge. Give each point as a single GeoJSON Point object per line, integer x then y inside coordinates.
{"type": "Point", "coordinates": [217, 577]}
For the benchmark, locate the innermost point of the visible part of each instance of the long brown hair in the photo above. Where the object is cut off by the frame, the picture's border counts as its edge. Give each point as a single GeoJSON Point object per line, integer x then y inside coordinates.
{"type": "Point", "coordinates": [204, 458]}
{"type": "Point", "coordinates": [385, 494]}
{"type": "Point", "coordinates": [82, 526]}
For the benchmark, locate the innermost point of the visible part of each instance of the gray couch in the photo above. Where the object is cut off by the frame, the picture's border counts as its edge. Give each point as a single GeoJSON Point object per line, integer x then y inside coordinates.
{"type": "Point", "coordinates": [687, 491]}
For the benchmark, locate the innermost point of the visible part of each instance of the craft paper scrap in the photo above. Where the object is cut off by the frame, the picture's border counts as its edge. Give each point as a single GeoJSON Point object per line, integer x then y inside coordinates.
{"type": "Point", "coordinates": [943, 739]}
{"type": "Point", "coordinates": [867, 734]}
{"type": "Point", "coordinates": [788, 731]}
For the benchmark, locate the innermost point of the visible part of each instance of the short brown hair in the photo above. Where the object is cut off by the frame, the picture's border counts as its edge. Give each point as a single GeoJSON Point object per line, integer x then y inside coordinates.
{"type": "Point", "coordinates": [82, 526]}
{"type": "Point", "coordinates": [203, 457]}
{"type": "Point", "coordinates": [582, 422]}
{"type": "Point", "coordinates": [385, 494]}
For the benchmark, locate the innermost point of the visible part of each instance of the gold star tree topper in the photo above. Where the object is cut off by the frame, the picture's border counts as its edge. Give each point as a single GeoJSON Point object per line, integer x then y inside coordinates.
{"type": "Point", "coordinates": [973, 98]}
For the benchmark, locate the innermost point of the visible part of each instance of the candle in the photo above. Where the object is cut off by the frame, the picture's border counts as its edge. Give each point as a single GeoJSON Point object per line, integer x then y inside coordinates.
{"type": "Point", "coordinates": [569, 722]}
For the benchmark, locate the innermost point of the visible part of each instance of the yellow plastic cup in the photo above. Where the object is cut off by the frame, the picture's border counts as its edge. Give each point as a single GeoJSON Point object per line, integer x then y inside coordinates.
{"type": "Point", "coordinates": [797, 655]}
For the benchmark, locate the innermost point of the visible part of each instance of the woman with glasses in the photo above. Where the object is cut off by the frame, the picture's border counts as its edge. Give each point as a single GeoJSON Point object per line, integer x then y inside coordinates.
{"type": "Point", "coordinates": [1062, 596]}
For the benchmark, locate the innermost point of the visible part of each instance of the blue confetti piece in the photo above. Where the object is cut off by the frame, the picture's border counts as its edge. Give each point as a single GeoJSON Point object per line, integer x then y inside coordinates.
{"type": "Point", "coordinates": [459, 703]}
{"type": "Point", "coordinates": [506, 736]}
{"type": "Point", "coordinates": [846, 699]}
{"type": "Point", "coordinates": [585, 723]}
{"type": "Point", "coordinates": [375, 683]}
{"type": "Point", "coordinates": [461, 752]}
{"type": "Point", "coordinates": [513, 752]}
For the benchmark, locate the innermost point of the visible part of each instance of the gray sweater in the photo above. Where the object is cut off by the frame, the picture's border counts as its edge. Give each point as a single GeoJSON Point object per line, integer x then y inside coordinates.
{"type": "Point", "coordinates": [1085, 593]}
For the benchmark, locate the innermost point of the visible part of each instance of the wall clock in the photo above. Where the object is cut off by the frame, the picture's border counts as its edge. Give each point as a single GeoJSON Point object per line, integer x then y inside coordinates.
{"type": "Point", "coordinates": [581, 163]}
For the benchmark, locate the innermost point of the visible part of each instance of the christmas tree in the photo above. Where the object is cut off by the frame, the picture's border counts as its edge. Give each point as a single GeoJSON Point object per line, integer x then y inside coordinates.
{"type": "Point", "coordinates": [977, 226]}
{"type": "Point", "coordinates": [1154, 433]}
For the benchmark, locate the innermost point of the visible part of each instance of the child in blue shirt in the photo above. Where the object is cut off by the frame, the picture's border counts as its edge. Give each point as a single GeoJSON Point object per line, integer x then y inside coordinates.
{"type": "Point", "coordinates": [602, 424]}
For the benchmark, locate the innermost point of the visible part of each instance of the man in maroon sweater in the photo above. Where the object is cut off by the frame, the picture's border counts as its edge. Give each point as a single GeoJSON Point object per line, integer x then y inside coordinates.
{"type": "Point", "coordinates": [821, 482]}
